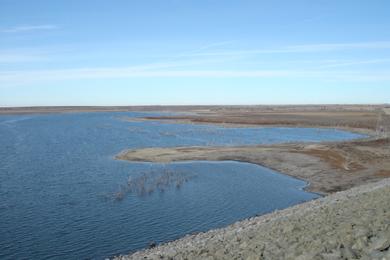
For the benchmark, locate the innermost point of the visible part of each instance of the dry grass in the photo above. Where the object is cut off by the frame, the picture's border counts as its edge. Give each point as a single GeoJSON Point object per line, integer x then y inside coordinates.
{"type": "Point", "coordinates": [383, 173]}
{"type": "Point", "coordinates": [335, 158]}
{"type": "Point", "coordinates": [351, 119]}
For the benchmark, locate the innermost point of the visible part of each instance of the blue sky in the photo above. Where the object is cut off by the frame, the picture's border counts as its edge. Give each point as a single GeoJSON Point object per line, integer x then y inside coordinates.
{"type": "Point", "coordinates": [194, 52]}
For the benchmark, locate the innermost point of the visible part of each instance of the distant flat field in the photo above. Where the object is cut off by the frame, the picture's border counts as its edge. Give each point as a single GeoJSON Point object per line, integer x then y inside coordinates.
{"type": "Point", "coordinates": [337, 118]}
{"type": "Point", "coordinates": [194, 108]}
{"type": "Point", "coordinates": [351, 116]}
{"type": "Point", "coordinates": [354, 117]}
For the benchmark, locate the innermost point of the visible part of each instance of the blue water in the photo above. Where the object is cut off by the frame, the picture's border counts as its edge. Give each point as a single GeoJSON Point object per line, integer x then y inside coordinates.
{"type": "Point", "coordinates": [58, 175]}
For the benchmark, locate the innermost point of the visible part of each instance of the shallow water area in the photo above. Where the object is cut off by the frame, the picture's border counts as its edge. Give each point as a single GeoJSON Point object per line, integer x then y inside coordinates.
{"type": "Point", "coordinates": [58, 180]}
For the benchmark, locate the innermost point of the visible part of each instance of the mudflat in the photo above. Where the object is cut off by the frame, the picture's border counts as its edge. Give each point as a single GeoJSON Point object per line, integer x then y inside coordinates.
{"type": "Point", "coordinates": [328, 166]}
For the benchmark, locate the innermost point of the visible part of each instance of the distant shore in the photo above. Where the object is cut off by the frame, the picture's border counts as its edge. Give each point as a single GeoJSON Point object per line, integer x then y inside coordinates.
{"type": "Point", "coordinates": [355, 118]}
{"type": "Point", "coordinates": [186, 108]}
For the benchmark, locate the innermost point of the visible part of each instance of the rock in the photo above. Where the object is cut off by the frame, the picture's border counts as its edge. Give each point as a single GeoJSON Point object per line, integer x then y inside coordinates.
{"type": "Point", "coordinates": [170, 253]}
{"type": "Point", "coordinates": [348, 253]}
{"type": "Point", "coordinates": [331, 256]}
{"type": "Point", "coordinates": [219, 254]}
{"type": "Point", "coordinates": [387, 255]}
{"type": "Point", "coordinates": [381, 242]}
{"type": "Point", "coordinates": [253, 257]}
{"type": "Point", "coordinates": [360, 243]}
{"type": "Point", "coordinates": [152, 244]}
{"type": "Point", "coordinates": [155, 257]}
{"type": "Point", "coordinates": [306, 256]}
{"type": "Point", "coordinates": [374, 255]}
{"type": "Point", "coordinates": [243, 245]}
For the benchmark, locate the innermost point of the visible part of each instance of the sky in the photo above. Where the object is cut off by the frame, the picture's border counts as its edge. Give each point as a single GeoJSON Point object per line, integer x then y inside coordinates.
{"type": "Point", "coordinates": [182, 52]}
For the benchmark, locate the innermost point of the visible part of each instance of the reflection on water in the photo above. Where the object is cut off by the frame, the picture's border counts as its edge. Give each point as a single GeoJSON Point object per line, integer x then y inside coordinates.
{"type": "Point", "coordinates": [56, 171]}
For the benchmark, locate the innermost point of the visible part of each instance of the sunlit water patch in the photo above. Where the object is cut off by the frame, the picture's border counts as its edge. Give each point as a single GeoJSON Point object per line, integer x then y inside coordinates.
{"type": "Point", "coordinates": [59, 183]}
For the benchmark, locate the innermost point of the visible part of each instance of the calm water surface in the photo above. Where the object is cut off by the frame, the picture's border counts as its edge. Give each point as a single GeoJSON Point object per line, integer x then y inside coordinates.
{"type": "Point", "coordinates": [58, 179]}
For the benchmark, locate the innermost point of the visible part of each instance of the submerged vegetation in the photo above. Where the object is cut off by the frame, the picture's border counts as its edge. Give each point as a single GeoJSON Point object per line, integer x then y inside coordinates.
{"type": "Point", "coordinates": [152, 181]}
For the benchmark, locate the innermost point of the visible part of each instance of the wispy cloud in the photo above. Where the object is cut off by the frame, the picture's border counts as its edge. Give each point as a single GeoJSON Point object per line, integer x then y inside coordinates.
{"type": "Point", "coordinates": [321, 47]}
{"type": "Point", "coordinates": [222, 64]}
{"type": "Point", "coordinates": [125, 72]}
{"type": "Point", "coordinates": [29, 28]}
{"type": "Point", "coordinates": [27, 77]}
{"type": "Point", "coordinates": [348, 63]}
{"type": "Point", "coordinates": [21, 57]}
{"type": "Point", "coordinates": [206, 47]}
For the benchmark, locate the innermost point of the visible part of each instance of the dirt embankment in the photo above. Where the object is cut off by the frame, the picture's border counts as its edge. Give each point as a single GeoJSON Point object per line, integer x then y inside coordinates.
{"type": "Point", "coordinates": [353, 224]}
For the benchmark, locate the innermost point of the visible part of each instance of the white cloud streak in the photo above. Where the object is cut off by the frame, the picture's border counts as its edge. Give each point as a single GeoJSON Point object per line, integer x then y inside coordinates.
{"type": "Point", "coordinates": [29, 28]}
{"type": "Point", "coordinates": [125, 72]}
{"type": "Point", "coordinates": [306, 48]}
{"type": "Point", "coordinates": [337, 64]}
{"type": "Point", "coordinates": [29, 77]}
{"type": "Point", "coordinates": [193, 65]}
{"type": "Point", "coordinates": [6, 58]}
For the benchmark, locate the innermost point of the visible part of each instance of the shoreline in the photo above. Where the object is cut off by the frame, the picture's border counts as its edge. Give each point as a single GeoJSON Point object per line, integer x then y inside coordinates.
{"type": "Point", "coordinates": [331, 169]}
{"type": "Point", "coordinates": [199, 109]}
{"type": "Point", "coordinates": [164, 120]}
{"type": "Point", "coordinates": [327, 166]}
{"type": "Point", "coordinates": [345, 225]}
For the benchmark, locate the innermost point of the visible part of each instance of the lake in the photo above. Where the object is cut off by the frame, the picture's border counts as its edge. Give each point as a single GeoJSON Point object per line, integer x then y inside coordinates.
{"type": "Point", "coordinates": [63, 195]}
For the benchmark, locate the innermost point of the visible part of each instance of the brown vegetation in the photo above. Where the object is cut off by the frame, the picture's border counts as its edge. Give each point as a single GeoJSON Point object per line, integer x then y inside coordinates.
{"type": "Point", "coordinates": [356, 117]}
{"type": "Point", "coordinates": [383, 173]}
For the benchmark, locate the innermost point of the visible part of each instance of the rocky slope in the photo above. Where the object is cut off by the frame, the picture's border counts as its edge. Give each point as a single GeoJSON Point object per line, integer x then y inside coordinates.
{"type": "Point", "coordinates": [353, 224]}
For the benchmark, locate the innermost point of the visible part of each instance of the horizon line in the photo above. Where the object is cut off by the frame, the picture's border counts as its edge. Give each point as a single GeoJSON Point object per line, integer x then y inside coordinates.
{"type": "Point", "coordinates": [201, 105]}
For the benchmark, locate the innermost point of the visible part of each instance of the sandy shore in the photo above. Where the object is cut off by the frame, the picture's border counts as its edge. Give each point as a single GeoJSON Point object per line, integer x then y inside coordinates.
{"type": "Point", "coordinates": [353, 224]}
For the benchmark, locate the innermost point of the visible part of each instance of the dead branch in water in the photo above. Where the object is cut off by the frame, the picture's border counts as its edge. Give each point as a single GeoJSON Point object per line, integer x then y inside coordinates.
{"type": "Point", "coordinates": [151, 181]}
